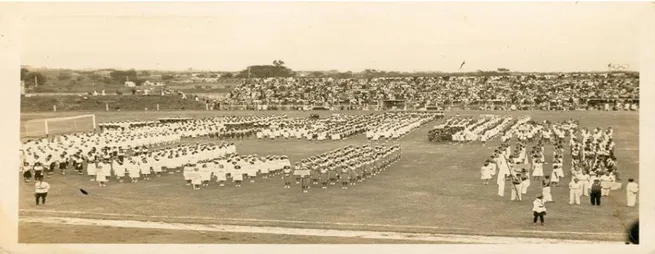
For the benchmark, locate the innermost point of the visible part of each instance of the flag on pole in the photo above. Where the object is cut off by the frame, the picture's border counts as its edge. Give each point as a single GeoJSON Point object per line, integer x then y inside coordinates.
{"type": "Point", "coordinates": [503, 170]}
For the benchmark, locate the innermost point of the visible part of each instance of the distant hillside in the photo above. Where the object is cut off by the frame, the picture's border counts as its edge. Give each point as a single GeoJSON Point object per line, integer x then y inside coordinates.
{"type": "Point", "coordinates": [115, 102]}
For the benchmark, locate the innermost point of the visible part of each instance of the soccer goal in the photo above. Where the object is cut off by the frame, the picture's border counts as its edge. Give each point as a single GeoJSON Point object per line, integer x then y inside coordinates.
{"type": "Point", "coordinates": [60, 125]}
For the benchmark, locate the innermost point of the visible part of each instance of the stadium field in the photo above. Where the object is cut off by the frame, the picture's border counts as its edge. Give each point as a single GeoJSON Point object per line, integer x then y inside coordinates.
{"type": "Point", "coordinates": [433, 189]}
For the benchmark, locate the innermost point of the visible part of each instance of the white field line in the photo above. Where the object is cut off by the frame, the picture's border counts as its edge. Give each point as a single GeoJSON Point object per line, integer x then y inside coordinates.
{"type": "Point", "coordinates": [301, 222]}
{"type": "Point", "coordinates": [304, 232]}
{"type": "Point", "coordinates": [628, 148]}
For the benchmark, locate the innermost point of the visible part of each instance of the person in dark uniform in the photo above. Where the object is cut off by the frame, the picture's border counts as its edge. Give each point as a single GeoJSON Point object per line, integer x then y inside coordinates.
{"type": "Point", "coordinates": [324, 175]}
{"type": "Point", "coordinates": [595, 192]}
{"type": "Point", "coordinates": [344, 175]}
{"type": "Point", "coordinates": [63, 163]}
{"type": "Point", "coordinates": [287, 171]}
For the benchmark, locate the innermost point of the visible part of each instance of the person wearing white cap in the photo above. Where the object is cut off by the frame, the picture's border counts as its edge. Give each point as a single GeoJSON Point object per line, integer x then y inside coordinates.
{"type": "Point", "coordinates": [221, 172]}
{"type": "Point", "coordinates": [237, 175]}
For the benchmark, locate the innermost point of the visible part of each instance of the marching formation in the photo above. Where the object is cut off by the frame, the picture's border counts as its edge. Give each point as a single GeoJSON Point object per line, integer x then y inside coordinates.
{"type": "Point", "coordinates": [485, 128]}
{"type": "Point", "coordinates": [335, 127]}
{"type": "Point", "coordinates": [348, 165]}
{"type": "Point", "coordinates": [233, 167]}
{"type": "Point", "coordinates": [338, 127]}
{"type": "Point", "coordinates": [592, 171]}
{"type": "Point", "coordinates": [467, 129]}
{"type": "Point", "coordinates": [103, 163]}
{"type": "Point", "coordinates": [46, 155]}
{"type": "Point", "coordinates": [395, 126]}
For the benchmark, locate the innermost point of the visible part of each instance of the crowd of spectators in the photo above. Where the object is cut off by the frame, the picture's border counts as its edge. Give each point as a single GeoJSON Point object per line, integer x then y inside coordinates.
{"type": "Point", "coordinates": [547, 92]}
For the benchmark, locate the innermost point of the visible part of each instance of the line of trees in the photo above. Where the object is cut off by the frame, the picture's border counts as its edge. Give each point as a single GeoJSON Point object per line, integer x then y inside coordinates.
{"type": "Point", "coordinates": [32, 79]}
{"type": "Point", "coordinates": [277, 69]}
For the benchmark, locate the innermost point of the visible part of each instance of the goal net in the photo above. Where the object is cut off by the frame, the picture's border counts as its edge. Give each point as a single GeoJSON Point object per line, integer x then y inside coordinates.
{"type": "Point", "coordinates": [60, 125]}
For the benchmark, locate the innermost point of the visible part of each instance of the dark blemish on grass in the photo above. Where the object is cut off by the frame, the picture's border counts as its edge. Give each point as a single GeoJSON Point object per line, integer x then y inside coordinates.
{"type": "Point", "coordinates": [84, 192]}
{"type": "Point", "coordinates": [224, 239]}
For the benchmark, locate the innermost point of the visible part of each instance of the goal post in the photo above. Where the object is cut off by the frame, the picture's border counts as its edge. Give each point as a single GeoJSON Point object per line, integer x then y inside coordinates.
{"type": "Point", "coordinates": [59, 125]}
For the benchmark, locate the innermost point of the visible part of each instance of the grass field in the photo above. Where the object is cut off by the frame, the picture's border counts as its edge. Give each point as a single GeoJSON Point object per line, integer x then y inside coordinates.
{"type": "Point", "coordinates": [434, 188]}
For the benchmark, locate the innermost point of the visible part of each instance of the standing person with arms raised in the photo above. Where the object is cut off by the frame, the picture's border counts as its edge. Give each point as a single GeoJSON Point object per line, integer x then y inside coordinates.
{"type": "Point", "coordinates": [41, 190]}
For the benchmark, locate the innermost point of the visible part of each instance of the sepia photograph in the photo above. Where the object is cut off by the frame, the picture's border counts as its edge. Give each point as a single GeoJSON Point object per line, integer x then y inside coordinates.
{"type": "Point", "coordinates": [329, 123]}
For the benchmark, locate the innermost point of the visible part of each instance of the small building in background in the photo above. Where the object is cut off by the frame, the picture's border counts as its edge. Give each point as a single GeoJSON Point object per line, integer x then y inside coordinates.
{"type": "Point", "coordinates": [130, 84]}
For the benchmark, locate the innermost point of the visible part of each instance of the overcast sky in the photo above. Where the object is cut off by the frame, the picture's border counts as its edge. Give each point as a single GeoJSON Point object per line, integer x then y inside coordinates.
{"type": "Point", "coordinates": [418, 36]}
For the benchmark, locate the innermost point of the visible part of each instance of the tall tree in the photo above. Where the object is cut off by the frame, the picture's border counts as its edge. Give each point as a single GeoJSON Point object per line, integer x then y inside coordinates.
{"type": "Point", "coordinates": [23, 73]}
{"type": "Point", "coordinates": [35, 78]}
{"type": "Point", "coordinates": [265, 71]}
{"type": "Point", "coordinates": [122, 76]}
{"type": "Point", "coordinates": [278, 63]}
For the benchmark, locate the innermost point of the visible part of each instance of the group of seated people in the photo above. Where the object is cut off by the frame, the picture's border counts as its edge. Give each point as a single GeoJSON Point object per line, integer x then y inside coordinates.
{"type": "Point", "coordinates": [541, 91]}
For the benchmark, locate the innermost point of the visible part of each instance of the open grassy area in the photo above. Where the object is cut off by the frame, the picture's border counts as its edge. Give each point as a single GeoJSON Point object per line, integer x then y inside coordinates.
{"type": "Point", "coordinates": [433, 188]}
{"type": "Point", "coordinates": [99, 103]}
